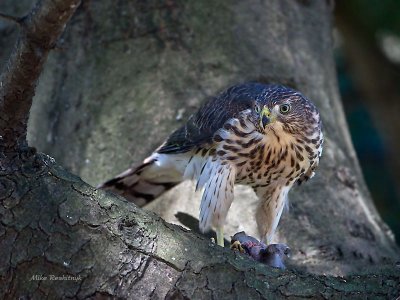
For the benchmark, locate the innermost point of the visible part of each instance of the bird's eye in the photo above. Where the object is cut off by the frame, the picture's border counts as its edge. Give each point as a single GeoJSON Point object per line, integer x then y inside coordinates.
{"type": "Point", "coordinates": [257, 108]}
{"type": "Point", "coordinates": [284, 108]}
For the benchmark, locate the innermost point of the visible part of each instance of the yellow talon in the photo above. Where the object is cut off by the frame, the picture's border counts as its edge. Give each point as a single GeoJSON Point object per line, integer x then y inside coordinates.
{"type": "Point", "coordinates": [220, 237]}
{"type": "Point", "coordinates": [236, 245]}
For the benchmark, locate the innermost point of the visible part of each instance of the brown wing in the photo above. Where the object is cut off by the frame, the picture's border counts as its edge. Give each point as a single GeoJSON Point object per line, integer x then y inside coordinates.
{"type": "Point", "coordinates": [201, 127]}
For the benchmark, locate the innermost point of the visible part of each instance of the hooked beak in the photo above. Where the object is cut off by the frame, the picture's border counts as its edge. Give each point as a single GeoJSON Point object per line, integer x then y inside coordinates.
{"type": "Point", "coordinates": [265, 117]}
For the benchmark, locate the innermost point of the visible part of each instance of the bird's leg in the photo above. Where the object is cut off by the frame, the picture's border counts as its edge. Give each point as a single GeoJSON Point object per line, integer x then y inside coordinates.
{"type": "Point", "coordinates": [220, 236]}
{"type": "Point", "coordinates": [265, 240]}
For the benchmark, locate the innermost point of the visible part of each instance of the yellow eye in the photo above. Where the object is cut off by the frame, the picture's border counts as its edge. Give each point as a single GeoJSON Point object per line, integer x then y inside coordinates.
{"type": "Point", "coordinates": [257, 108]}
{"type": "Point", "coordinates": [284, 108]}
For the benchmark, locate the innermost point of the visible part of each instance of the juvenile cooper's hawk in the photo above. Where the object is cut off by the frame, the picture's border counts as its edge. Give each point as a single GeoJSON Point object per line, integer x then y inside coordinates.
{"type": "Point", "coordinates": [264, 136]}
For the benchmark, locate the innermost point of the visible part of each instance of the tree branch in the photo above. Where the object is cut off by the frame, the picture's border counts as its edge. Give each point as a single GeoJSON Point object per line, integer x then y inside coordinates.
{"type": "Point", "coordinates": [53, 224]}
{"type": "Point", "coordinates": [40, 31]}
{"type": "Point", "coordinates": [10, 18]}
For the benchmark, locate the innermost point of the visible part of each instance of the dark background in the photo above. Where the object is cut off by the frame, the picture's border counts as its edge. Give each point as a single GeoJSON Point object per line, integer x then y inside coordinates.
{"type": "Point", "coordinates": [367, 39]}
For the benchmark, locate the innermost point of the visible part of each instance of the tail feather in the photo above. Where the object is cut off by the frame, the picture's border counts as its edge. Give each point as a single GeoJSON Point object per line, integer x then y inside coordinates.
{"type": "Point", "coordinates": [141, 183]}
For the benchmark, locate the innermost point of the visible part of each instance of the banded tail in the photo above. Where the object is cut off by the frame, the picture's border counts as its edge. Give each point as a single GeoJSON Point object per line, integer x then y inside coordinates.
{"type": "Point", "coordinates": [142, 183]}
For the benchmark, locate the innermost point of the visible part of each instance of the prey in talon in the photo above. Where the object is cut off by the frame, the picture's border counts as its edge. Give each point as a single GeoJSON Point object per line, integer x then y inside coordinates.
{"type": "Point", "coordinates": [272, 255]}
{"type": "Point", "coordinates": [265, 136]}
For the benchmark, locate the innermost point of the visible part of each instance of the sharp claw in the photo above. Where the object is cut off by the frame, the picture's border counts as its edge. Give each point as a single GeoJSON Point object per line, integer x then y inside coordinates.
{"type": "Point", "coordinates": [287, 251]}
{"type": "Point", "coordinates": [236, 245]}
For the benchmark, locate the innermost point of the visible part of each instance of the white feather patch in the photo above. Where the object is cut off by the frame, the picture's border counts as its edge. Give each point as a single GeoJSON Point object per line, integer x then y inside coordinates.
{"type": "Point", "coordinates": [272, 202]}
{"type": "Point", "coordinates": [218, 181]}
{"type": "Point", "coordinates": [166, 167]}
{"type": "Point", "coordinates": [282, 202]}
{"type": "Point", "coordinates": [193, 167]}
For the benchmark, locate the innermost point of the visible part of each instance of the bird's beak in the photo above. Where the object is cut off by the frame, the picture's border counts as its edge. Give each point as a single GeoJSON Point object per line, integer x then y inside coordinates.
{"type": "Point", "coordinates": [265, 117]}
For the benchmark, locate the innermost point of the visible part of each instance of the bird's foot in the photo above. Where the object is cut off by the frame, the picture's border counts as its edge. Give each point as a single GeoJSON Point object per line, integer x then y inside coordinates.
{"type": "Point", "coordinates": [237, 246]}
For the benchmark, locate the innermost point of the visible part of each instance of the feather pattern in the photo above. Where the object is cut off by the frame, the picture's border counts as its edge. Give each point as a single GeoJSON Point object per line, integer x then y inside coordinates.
{"type": "Point", "coordinates": [242, 136]}
{"type": "Point", "coordinates": [218, 181]}
{"type": "Point", "coordinates": [144, 182]}
{"type": "Point", "coordinates": [201, 127]}
{"type": "Point", "coordinates": [269, 211]}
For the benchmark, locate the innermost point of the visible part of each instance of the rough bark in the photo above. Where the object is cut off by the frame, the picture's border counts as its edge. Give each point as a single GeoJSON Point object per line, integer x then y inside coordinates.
{"type": "Point", "coordinates": [52, 223]}
{"type": "Point", "coordinates": [39, 31]}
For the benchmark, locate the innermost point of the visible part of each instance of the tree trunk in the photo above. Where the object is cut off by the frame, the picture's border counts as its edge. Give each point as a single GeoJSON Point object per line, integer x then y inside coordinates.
{"type": "Point", "coordinates": [126, 75]}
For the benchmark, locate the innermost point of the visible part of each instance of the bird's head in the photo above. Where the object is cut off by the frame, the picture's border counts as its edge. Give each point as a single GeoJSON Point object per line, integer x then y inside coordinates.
{"type": "Point", "coordinates": [274, 255]}
{"type": "Point", "coordinates": [281, 108]}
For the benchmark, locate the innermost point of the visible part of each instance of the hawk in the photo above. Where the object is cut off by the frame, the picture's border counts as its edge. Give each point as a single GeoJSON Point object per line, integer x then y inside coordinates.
{"type": "Point", "coordinates": [265, 136]}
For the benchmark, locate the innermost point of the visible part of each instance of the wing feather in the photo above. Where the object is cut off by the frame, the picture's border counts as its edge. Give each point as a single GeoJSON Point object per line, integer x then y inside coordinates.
{"type": "Point", "coordinates": [201, 127]}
